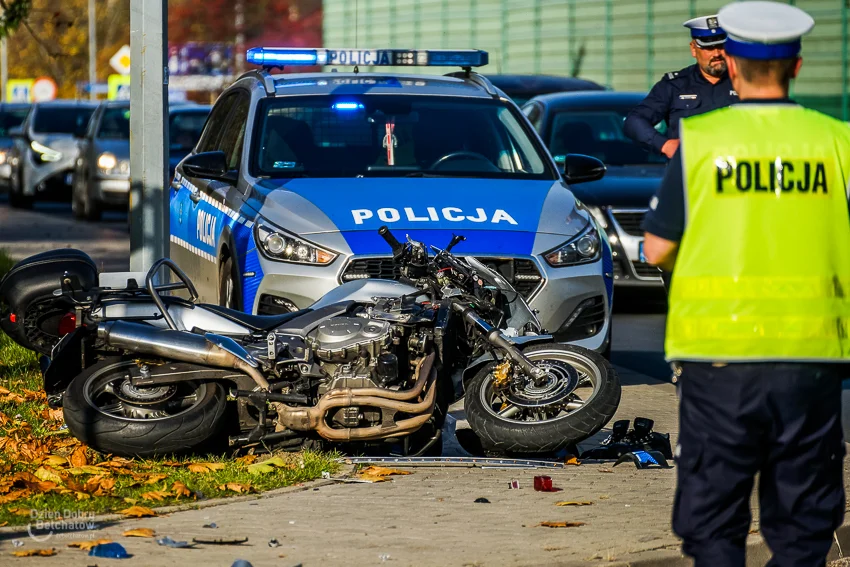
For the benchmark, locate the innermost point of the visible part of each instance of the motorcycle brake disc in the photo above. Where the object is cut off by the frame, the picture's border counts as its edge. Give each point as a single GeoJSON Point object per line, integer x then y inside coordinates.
{"type": "Point", "coordinates": [560, 382]}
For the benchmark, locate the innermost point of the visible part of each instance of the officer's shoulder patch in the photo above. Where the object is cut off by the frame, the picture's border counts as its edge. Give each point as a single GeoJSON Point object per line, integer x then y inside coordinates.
{"type": "Point", "coordinates": [672, 75]}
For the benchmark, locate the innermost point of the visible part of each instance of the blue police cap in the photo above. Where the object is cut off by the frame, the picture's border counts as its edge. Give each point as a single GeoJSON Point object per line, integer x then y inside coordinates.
{"type": "Point", "coordinates": [706, 31]}
{"type": "Point", "coordinates": [764, 30]}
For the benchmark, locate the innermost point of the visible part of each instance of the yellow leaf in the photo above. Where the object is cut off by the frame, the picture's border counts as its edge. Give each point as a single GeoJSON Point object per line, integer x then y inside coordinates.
{"type": "Point", "coordinates": [79, 457]}
{"type": "Point", "coordinates": [202, 468]}
{"type": "Point", "coordinates": [246, 459]}
{"type": "Point", "coordinates": [20, 511]}
{"type": "Point", "coordinates": [88, 544]}
{"type": "Point", "coordinates": [14, 495]}
{"type": "Point", "coordinates": [574, 503]}
{"type": "Point", "coordinates": [154, 478]}
{"type": "Point", "coordinates": [35, 553]}
{"type": "Point", "coordinates": [571, 460]}
{"type": "Point", "coordinates": [181, 489]}
{"type": "Point", "coordinates": [138, 512]}
{"type": "Point", "coordinates": [87, 469]}
{"type": "Point", "coordinates": [157, 495]}
{"type": "Point", "coordinates": [48, 474]}
{"type": "Point", "coordinates": [131, 501]}
{"type": "Point", "coordinates": [139, 532]}
{"type": "Point", "coordinates": [370, 478]}
{"type": "Point", "coordinates": [381, 471]}
{"type": "Point", "coordinates": [235, 487]}
{"type": "Point", "coordinates": [560, 524]}
{"type": "Point", "coordinates": [54, 461]}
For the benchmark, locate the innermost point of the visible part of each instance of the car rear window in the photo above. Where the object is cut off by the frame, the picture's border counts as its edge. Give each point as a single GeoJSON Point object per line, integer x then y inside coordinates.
{"type": "Point", "coordinates": [62, 120]}
{"type": "Point", "coordinates": [396, 136]}
{"type": "Point", "coordinates": [115, 124]}
{"type": "Point", "coordinates": [184, 129]}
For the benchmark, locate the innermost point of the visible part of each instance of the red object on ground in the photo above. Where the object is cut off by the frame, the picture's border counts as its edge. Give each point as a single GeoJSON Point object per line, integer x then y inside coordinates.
{"type": "Point", "coordinates": [544, 484]}
{"type": "Point", "coordinates": [67, 324]}
{"type": "Point", "coordinates": [13, 318]}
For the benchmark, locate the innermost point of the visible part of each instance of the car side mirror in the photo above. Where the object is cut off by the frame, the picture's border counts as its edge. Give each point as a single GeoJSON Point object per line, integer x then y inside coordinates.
{"type": "Point", "coordinates": [578, 168]}
{"type": "Point", "coordinates": [209, 165]}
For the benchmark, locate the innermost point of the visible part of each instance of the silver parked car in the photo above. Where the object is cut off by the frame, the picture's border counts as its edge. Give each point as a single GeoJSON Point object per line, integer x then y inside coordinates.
{"type": "Point", "coordinates": [12, 115]}
{"type": "Point", "coordinates": [45, 150]}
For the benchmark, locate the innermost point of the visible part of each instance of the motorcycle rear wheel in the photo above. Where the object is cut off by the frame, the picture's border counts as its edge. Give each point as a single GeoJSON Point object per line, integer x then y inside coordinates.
{"type": "Point", "coordinates": [581, 404]}
{"type": "Point", "coordinates": [106, 412]}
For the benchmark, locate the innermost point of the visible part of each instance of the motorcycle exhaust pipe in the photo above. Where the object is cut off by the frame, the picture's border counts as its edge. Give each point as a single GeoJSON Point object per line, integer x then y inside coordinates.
{"type": "Point", "coordinates": [209, 350]}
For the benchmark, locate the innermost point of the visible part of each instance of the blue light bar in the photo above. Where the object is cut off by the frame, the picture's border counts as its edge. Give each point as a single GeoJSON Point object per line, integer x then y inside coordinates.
{"type": "Point", "coordinates": [281, 56]}
{"type": "Point", "coordinates": [347, 106]}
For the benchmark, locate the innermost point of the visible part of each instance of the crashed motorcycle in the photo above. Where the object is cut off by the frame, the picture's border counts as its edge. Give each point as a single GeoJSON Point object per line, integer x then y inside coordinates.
{"type": "Point", "coordinates": [142, 368]}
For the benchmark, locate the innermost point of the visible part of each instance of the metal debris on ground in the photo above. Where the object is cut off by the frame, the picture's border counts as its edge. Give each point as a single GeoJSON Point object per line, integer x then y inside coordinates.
{"type": "Point", "coordinates": [168, 542]}
{"type": "Point", "coordinates": [514, 484]}
{"type": "Point", "coordinates": [483, 462]}
{"type": "Point", "coordinates": [644, 459]}
{"type": "Point", "coordinates": [211, 525]}
{"type": "Point", "coordinates": [241, 563]}
{"type": "Point", "coordinates": [17, 543]}
{"type": "Point", "coordinates": [482, 501]}
{"type": "Point", "coordinates": [220, 540]}
{"type": "Point", "coordinates": [274, 543]}
{"type": "Point", "coordinates": [109, 550]}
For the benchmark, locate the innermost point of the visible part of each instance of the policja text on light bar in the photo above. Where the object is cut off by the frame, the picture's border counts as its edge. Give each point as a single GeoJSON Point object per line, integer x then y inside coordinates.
{"type": "Point", "coordinates": [279, 56]}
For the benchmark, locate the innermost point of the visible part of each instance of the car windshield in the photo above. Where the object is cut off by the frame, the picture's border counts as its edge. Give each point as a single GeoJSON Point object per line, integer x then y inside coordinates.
{"type": "Point", "coordinates": [597, 133]}
{"type": "Point", "coordinates": [184, 129]}
{"type": "Point", "coordinates": [62, 120]}
{"type": "Point", "coordinates": [10, 119]}
{"type": "Point", "coordinates": [115, 123]}
{"type": "Point", "coordinates": [395, 136]}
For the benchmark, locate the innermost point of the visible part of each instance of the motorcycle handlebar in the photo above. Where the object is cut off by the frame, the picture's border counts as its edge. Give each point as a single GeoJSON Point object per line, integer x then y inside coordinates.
{"type": "Point", "coordinates": [387, 235]}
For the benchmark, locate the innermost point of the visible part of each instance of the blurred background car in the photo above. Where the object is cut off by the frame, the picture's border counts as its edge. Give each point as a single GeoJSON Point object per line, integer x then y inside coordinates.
{"type": "Point", "coordinates": [521, 88]}
{"type": "Point", "coordinates": [11, 116]}
{"type": "Point", "coordinates": [591, 123]}
{"type": "Point", "coordinates": [44, 151]}
{"type": "Point", "coordinates": [102, 171]}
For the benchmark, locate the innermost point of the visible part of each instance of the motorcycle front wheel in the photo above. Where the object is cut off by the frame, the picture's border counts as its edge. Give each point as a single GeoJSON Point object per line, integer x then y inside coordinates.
{"type": "Point", "coordinates": [104, 410]}
{"type": "Point", "coordinates": [579, 395]}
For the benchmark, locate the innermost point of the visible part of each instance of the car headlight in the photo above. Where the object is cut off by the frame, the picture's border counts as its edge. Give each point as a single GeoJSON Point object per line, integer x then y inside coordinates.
{"type": "Point", "coordinates": [2, 157]}
{"type": "Point", "coordinates": [282, 246]}
{"type": "Point", "coordinates": [581, 249]}
{"type": "Point", "coordinates": [45, 153]}
{"type": "Point", "coordinates": [106, 162]}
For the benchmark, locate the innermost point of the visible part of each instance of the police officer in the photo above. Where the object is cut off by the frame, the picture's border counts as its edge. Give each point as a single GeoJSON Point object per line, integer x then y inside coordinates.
{"type": "Point", "coordinates": [752, 218]}
{"type": "Point", "coordinates": [694, 90]}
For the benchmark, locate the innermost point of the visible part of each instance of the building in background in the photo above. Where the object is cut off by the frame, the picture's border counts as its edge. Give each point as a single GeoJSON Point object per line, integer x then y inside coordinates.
{"type": "Point", "coordinates": [625, 44]}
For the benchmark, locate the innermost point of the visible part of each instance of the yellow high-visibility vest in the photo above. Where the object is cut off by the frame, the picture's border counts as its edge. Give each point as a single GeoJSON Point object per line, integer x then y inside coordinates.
{"type": "Point", "coordinates": [763, 269]}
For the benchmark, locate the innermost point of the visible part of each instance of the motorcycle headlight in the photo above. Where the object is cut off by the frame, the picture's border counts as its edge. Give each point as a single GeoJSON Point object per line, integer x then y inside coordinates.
{"type": "Point", "coordinates": [581, 249]}
{"type": "Point", "coordinates": [106, 162]}
{"type": "Point", "coordinates": [282, 246]}
{"type": "Point", "coordinates": [45, 153]}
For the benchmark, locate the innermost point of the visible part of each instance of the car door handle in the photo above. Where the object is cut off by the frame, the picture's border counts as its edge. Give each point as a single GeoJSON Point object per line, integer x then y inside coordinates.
{"type": "Point", "coordinates": [195, 194]}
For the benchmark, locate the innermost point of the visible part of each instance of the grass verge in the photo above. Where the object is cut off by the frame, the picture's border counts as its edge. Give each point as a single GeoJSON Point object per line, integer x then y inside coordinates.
{"type": "Point", "coordinates": [43, 469]}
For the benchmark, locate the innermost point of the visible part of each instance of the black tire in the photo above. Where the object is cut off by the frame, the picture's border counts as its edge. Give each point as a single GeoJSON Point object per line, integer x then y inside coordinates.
{"type": "Point", "coordinates": [17, 199]}
{"type": "Point", "coordinates": [196, 429]}
{"type": "Point", "coordinates": [501, 435]}
{"type": "Point", "coordinates": [228, 294]}
{"type": "Point", "coordinates": [83, 205]}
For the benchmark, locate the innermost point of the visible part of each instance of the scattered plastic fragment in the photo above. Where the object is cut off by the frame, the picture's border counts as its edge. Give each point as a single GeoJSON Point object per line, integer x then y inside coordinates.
{"type": "Point", "coordinates": [644, 459]}
{"type": "Point", "coordinates": [326, 474]}
{"type": "Point", "coordinates": [544, 484]}
{"type": "Point", "coordinates": [110, 550]}
{"type": "Point", "coordinates": [241, 563]}
{"type": "Point", "coordinates": [211, 525]}
{"type": "Point", "coordinates": [274, 543]}
{"type": "Point", "coordinates": [384, 557]}
{"type": "Point", "coordinates": [168, 542]}
{"type": "Point", "coordinates": [574, 503]}
{"type": "Point", "coordinates": [560, 524]}
{"type": "Point", "coordinates": [220, 540]}
{"type": "Point", "coordinates": [292, 521]}
{"type": "Point", "coordinates": [514, 484]}
{"type": "Point", "coordinates": [482, 501]}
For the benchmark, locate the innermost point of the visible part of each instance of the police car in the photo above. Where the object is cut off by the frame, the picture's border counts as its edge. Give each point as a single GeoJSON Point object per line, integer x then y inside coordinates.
{"type": "Point", "coordinates": [283, 195]}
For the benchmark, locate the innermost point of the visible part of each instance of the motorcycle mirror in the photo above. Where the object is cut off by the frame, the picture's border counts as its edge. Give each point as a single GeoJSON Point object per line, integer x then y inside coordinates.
{"type": "Point", "coordinates": [456, 238]}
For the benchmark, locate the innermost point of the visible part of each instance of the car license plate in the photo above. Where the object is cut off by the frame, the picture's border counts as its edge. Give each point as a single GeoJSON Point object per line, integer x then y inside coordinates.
{"type": "Point", "coordinates": [641, 255]}
{"type": "Point", "coordinates": [69, 178]}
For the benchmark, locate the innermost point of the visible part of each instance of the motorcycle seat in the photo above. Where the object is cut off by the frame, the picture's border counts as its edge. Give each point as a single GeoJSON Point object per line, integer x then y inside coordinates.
{"type": "Point", "coordinates": [254, 322]}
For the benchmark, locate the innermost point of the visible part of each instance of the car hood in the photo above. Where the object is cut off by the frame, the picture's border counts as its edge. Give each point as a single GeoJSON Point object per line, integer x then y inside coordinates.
{"type": "Point", "coordinates": [622, 186]}
{"type": "Point", "coordinates": [496, 216]}
{"type": "Point", "coordinates": [119, 148]}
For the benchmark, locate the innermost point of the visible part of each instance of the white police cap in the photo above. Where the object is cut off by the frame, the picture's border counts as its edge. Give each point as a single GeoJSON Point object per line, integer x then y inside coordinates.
{"type": "Point", "coordinates": [764, 30]}
{"type": "Point", "coordinates": [706, 31]}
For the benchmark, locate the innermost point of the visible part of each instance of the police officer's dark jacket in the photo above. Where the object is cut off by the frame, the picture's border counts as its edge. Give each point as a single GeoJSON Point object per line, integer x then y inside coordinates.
{"type": "Point", "coordinates": [677, 95]}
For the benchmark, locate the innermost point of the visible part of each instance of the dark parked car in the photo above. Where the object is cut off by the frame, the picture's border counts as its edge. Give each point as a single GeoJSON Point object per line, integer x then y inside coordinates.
{"type": "Point", "coordinates": [12, 115]}
{"type": "Point", "coordinates": [102, 172]}
{"type": "Point", "coordinates": [521, 88]}
{"type": "Point", "coordinates": [592, 124]}
{"type": "Point", "coordinates": [45, 149]}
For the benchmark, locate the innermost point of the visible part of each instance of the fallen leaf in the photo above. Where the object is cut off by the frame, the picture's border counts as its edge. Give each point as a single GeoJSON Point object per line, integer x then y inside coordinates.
{"type": "Point", "coordinates": [369, 478]}
{"type": "Point", "coordinates": [380, 472]}
{"type": "Point", "coordinates": [560, 524]}
{"type": "Point", "coordinates": [606, 470]}
{"type": "Point", "coordinates": [12, 397]}
{"type": "Point", "coordinates": [14, 495]}
{"type": "Point", "coordinates": [48, 473]}
{"type": "Point", "coordinates": [86, 469]}
{"type": "Point", "coordinates": [235, 487]}
{"type": "Point", "coordinates": [3, 391]}
{"type": "Point", "coordinates": [88, 544]}
{"type": "Point", "coordinates": [571, 460]}
{"type": "Point", "coordinates": [79, 457]}
{"type": "Point", "coordinates": [202, 468]}
{"type": "Point", "coordinates": [20, 511]}
{"type": "Point", "coordinates": [4, 524]}
{"type": "Point", "coordinates": [51, 415]}
{"type": "Point", "coordinates": [131, 501]}
{"type": "Point", "coordinates": [137, 512]}
{"type": "Point", "coordinates": [181, 489]}
{"type": "Point", "coordinates": [35, 553]}
{"type": "Point", "coordinates": [54, 461]}
{"type": "Point", "coordinates": [139, 532]}
{"type": "Point", "coordinates": [269, 465]}
{"type": "Point", "coordinates": [246, 459]}
{"type": "Point", "coordinates": [604, 497]}
{"type": "Point", "coordinates": [573, 503]}
{"type": "Point", "coordinates": [153, 478]}
{"type": "Point", "coordinates": [158, 495]}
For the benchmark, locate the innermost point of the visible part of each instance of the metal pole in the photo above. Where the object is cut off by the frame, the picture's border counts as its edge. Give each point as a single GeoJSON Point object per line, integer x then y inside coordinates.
{"type": "Point", "coordinates": [4, 69]}
{"type": "Point", "coordinates": [92, 50]}
{"type": "Point", "coordinates": [148, 132]}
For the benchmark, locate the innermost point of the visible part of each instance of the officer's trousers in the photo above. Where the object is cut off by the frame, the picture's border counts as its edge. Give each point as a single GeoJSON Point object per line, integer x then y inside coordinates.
{"type": "Point", "coordinates": [780, 420]}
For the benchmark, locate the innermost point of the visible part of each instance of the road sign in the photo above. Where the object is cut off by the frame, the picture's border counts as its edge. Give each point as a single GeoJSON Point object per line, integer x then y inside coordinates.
{"type": "Point", "coordinates": [44, 88]}
{"type": "Point", "coordinates": [118, 87]}
{"type": "Point", "coordinates": [19, 90]}
{"type": "Point", "coordinates": [121, 60]}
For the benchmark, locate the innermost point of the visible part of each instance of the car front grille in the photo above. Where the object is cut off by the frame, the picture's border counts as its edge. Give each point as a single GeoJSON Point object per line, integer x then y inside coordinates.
{"type": "Point", "coordinates": [630, 221]}
{"type": "Point", "coordinates": [587, 320]}
{"type": "Point", "coordinates": [519, 272]}
{"type": "Point", "coordinates": [644, 270]}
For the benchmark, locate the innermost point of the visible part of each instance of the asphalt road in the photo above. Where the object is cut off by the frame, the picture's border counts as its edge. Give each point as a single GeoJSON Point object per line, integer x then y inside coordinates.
{"type": "Point", "coordinates": [638, 323]}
